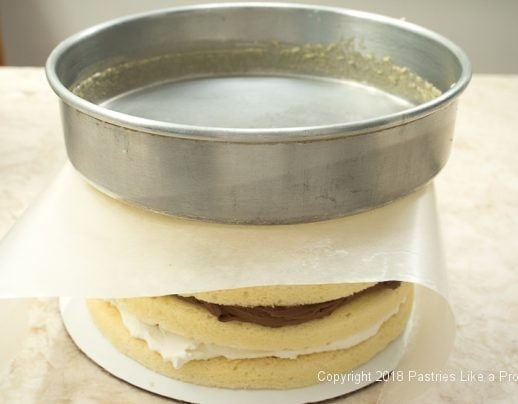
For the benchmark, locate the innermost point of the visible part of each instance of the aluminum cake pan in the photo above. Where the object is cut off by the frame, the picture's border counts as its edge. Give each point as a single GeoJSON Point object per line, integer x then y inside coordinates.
{"type": "Point", "coordinates": [258, 113]}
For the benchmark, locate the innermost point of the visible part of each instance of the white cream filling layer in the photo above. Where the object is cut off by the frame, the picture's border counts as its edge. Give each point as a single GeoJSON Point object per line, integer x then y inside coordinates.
{"type": "Point", "coordinates": [179, 350]}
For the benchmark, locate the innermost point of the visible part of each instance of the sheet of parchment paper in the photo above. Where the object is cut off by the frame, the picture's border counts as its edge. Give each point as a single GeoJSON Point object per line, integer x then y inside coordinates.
{"type": "Point", "coordinates": [75, 241]}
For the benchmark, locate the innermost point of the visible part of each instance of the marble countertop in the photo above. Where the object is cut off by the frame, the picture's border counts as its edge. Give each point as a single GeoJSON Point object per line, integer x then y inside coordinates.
{"type": "Point", "coordinates": [478, 201]}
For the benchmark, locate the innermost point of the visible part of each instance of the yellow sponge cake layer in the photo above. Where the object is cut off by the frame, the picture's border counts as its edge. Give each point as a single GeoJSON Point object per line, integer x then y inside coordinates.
{"type": "Point", "coordinates": [194, 322]}
{"type": "Point", "coordinates": [282, 295]}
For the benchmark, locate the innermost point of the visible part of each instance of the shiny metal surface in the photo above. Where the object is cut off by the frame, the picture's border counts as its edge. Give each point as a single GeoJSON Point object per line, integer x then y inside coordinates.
{"type": "Point", "coordinates": [258, 113]}
{"type": "Point", "coordinates": [257, 102]}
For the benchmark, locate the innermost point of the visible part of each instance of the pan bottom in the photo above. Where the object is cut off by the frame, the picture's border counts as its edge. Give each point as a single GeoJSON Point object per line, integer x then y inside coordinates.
{"type": "Point", "coordinates": [257, 101]}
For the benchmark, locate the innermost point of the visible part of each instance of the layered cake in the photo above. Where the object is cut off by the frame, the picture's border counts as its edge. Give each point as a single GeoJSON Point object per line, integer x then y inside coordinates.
{"type": "Point", "coordinates": [271, 337]}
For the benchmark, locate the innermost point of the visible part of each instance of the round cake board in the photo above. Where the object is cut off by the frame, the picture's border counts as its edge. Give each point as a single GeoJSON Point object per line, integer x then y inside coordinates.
{"type": "Point", "coordinates": [93, 344]}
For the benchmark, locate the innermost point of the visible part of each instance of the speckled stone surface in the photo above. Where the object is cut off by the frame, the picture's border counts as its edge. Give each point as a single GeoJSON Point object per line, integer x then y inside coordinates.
{"type": "Point", "coordinates": [478, 201]}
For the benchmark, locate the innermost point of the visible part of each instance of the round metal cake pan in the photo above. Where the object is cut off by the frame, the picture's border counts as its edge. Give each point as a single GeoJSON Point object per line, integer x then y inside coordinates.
{"type": "Point", "coordinates": [258, 113]}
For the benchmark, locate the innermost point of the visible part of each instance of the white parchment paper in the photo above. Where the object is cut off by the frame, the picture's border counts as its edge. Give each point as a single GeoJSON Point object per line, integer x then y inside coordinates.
{"type": "Point", "coordinates": [76, 242]}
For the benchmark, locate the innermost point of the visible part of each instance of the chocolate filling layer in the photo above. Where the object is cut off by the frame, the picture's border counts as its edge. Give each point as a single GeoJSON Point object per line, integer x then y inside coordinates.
{"type": "Point", "coordinates": [279, 316]}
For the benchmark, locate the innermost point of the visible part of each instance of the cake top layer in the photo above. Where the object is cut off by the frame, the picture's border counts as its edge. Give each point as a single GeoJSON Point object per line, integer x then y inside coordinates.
{"type": "Point", "coordinates": [280, 316]}
{"type": "Point", "coordinates": [281, 295]}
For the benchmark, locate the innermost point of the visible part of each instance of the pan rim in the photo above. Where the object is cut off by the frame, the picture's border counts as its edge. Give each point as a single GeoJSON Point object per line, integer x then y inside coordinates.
{"type": "Point", "coordinates": [258, 135]}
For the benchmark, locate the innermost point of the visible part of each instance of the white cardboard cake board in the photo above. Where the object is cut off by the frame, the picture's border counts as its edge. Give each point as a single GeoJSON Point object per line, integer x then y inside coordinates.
{"type": "Point", "coordinates": [94, 345]}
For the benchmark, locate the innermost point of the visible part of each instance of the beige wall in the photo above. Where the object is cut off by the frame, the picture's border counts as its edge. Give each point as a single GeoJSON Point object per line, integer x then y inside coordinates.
{"type": "Point", "coordinates": [487, 30]}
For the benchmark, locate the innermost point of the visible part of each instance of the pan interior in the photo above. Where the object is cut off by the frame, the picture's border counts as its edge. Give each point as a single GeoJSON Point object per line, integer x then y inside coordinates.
{"type": "Point", "coordinates": [240, 85]}
{"type": "Point", "coordinates": [257, 101]}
